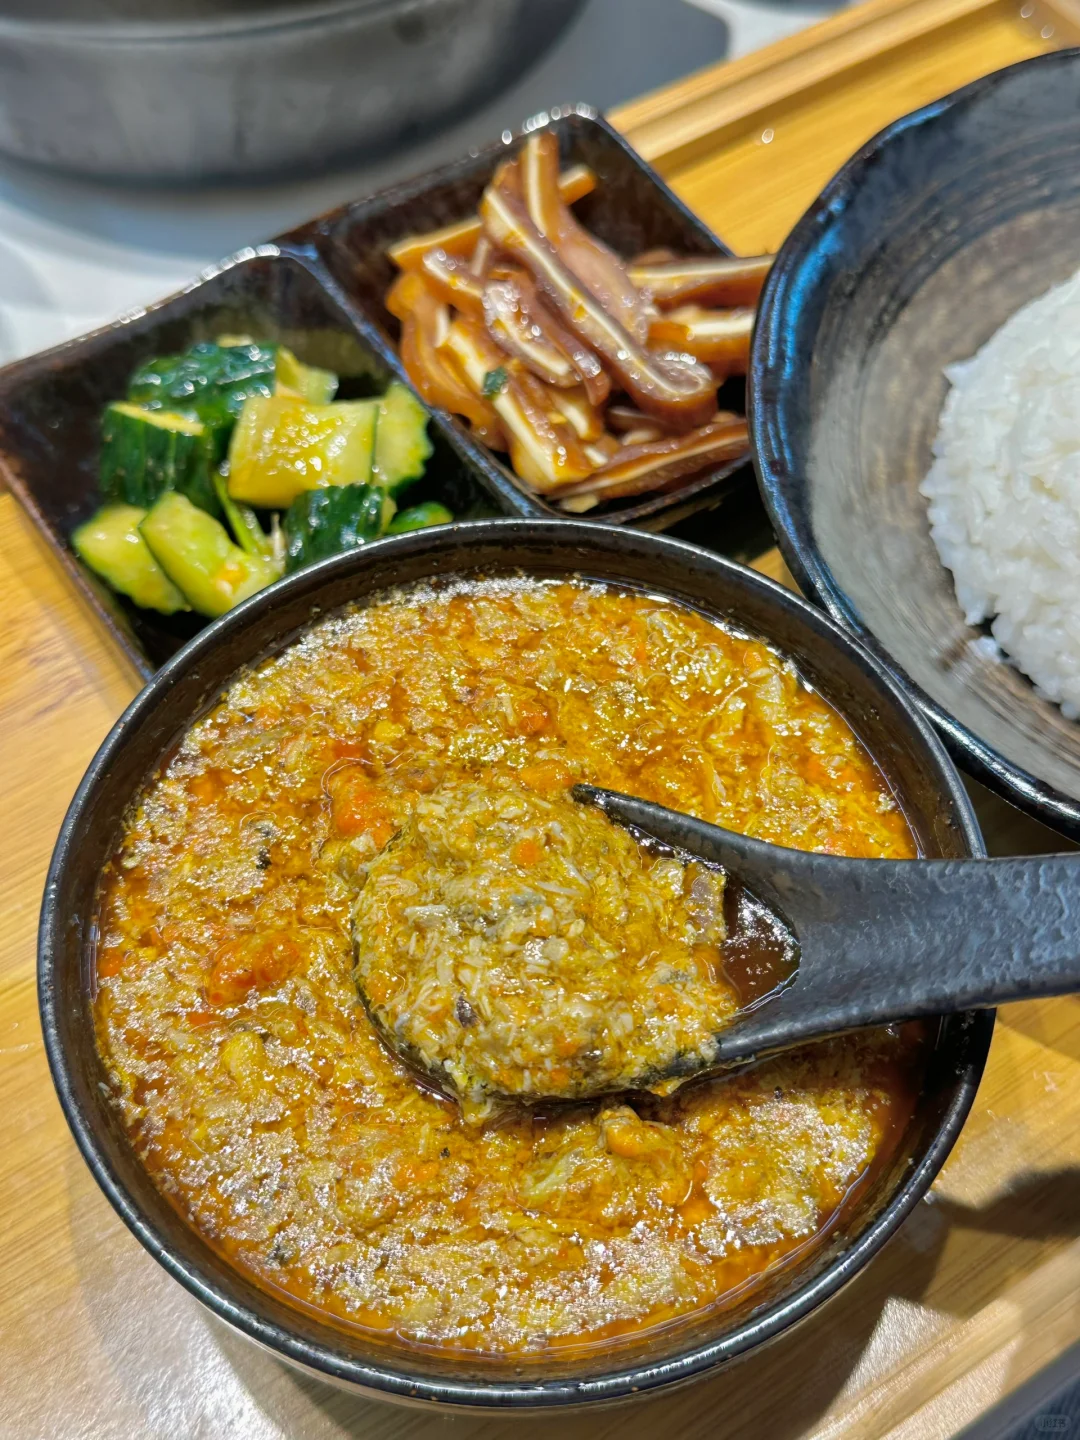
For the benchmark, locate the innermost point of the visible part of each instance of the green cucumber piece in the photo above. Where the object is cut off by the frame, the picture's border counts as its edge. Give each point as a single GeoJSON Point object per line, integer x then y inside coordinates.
{"type": "Point", "coordinates": [402, 447]}
{"type": "Point", "coordinates": [242, 521]}
{"type": "Point", "coordinates": [209, 382]}
{"type": "Point", "coordinates": [320, 523]}
{"type": "Point", "coordinates": [419, 517]}
{"type": "Point", "coordinates": [197, 555]}
{"type": "Point", "coordinates": [282, 447]}
{"type": "Point", "coordinates": [110, 543]}
{"type": "Point", "coordinates": [144, 453]}
{"type": "Point", "coordinates": [304, 382]}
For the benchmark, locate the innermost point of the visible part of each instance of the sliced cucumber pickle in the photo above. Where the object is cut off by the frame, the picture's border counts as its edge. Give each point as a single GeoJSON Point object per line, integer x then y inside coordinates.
{"type": "Point", "coordinates": [303, 382]}
{"type": "Point", "coordinates": [197, 555]}
{"type": "Point", "coordinates": [146, 452]}
{"type": "Point", "coordinates": [325, 522]}
{"type": "Point", "coordinates": [419, 517]}
{"type": "Point", "coordinates": [282, 447]}
{"type": "Point", "coordinates": [402, 447]}
{"type": "Point", "coordinates": [111, 544]}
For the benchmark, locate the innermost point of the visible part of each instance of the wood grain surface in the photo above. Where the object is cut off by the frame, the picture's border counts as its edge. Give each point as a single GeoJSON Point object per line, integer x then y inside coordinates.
{"type": "Point", "coordinates": [981, 1287]}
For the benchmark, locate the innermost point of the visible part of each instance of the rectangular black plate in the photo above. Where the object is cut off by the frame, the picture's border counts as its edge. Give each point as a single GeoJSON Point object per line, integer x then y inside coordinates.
{"type": "Point", "coordinates": [51, 406]}
{"type": "Point", "coordinates": [319, 289]}
{"type": "Point", "coordinates": [631, 209]}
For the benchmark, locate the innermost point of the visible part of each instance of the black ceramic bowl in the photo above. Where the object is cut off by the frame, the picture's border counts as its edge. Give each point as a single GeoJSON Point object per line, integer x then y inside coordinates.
{"type": "Point", "coordinates": [908, 752]}
{"type": "Point", "coordinates": [919, 249]}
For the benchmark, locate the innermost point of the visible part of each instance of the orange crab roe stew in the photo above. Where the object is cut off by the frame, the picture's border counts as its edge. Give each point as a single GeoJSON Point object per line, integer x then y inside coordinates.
{"type": "Point", "coordinates": [248, 1074]}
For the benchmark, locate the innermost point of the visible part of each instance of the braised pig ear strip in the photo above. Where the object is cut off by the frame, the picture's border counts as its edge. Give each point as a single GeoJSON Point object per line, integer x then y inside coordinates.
{"type": "Point", "coordinates": [586, 419]}
{"type": "Point", "coordinates": [548, 448]}
{"type": "Point", "coordinates": [514, 329]}
{"type": "Point", "coordinates": [425, 324]}
{"type": "Point", "coordinates": [670, 386]}
{"type": "Point", "coordinates": [598, 269]}
{"type": "Point", "coordinates": [601, 451]}
{"type": "Point", "coordinates": [715, 280]}
{"type": "Point", "coordinates": [593, 376]}
{"type": "Point", "coordinates": [522, 325]}
{"type": "Point", "coordinates": [482, 258]}
{"type": "Point", "coordinates": [719, 338]}
{"type": "Point", "coordinates": [646, 434]}
{"type": "Point", "coordinates": [640, 468]}
{"type": "Point", "coordinates": [451, 280]}
{"type": "Point", "coordinates": [624, 418]}
{"type": "Point", "coordinates": [460, 238]}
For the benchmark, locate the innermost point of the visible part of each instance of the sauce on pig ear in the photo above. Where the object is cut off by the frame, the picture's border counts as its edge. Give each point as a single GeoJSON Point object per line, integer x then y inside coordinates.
{"type": "Point", "coordinates": [712, 280]}
{"type": "Point", "coordinates": [597, 267]}
{"type": "Point", "coordinates": [676, 388]}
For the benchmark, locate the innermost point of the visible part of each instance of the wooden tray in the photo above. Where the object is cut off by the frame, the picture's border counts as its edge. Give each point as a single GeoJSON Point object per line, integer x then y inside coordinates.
{"type": "Point", "coordinates": [982, 1286]}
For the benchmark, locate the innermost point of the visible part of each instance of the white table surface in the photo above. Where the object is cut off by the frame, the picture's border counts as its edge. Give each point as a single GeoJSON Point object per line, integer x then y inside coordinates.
{"type": "Point", "coordinates": [74, 255]}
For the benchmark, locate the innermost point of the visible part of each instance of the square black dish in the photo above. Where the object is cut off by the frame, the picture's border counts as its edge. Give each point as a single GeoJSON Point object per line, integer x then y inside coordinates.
{"type": "Point", "coordinates": [631, 209]}
{"type": "Point", "coordinates": [51, 406]}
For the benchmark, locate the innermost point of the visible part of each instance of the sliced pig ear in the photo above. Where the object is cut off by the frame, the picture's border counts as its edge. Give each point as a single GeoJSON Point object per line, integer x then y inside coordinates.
{"type": "Point", "coordinates": [461, 237]}
{"type": "Point", "coordinates": [675, 389]}
{"type": "Point", "coordinates": [520, 322]}
{"type": "Point", "coordinates": [711, 280]}
{"type": "Point", "coordinates": [545, 451]}
{"type": "Point", "coordinates": [593, 264]}
{"type": "Point", "coordinates": [653, 466]}
{"type": "Point", "coordinates": [425, 322]}
{"type": "Point", "coordinates": [718, 338]}
{"type": "Point", "coordinates": [452, 280]}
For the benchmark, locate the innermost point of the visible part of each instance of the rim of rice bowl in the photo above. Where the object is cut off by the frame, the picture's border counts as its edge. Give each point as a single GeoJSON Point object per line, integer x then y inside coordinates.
{"type": "Point", "coordinates": [1004, 490]}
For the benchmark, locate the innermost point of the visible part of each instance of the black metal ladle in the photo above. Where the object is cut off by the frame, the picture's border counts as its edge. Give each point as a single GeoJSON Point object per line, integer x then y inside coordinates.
{"type": "Point", "coordinates": [882, 941]}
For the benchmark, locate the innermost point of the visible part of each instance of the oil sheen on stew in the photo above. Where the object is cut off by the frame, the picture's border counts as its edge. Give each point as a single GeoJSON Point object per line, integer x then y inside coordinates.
{"type": "Point", "coordinates": [249, 1075]}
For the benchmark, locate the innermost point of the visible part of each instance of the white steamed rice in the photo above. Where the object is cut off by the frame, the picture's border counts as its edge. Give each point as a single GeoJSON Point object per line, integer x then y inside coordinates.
{"type": "Point", "coordinates": [1004, 490]}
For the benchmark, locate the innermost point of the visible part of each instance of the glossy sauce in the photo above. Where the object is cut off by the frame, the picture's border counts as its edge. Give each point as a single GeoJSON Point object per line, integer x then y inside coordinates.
{"type": "Point", "coordinates": [250, 1078]}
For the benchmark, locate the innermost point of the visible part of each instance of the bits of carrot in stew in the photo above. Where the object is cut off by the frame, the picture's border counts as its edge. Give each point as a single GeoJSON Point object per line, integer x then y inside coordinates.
{"type": "Point", "coordinates": [525, 853]}
{"type": "Point", "coordinates": [356, 806]}
{"type": "Point", "coordinates": [251, 962]}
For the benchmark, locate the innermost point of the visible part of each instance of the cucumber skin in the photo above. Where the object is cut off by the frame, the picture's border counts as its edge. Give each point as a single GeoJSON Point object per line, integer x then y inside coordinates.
{"type": "Point", "coordinates": [211, 382]}
{"type": "Point", "coordinates": [321, 523]}
{"type": "Point", "coordinates": [308, 382]}
{"type": "Point", "coordinates": [208, 381]}
{"type": "Point", "coordinates": [419, 518]}
{"type": "Point", "coordinates": [402, 446]}
{"type": "Point", "coordinates": [141, 460]}
{"type": "Point", "coordinates": [197, 555]}
{"type": "Point", "coordinates": [111, 544]}
{"type": "Point", "coordinates": [242, 521]}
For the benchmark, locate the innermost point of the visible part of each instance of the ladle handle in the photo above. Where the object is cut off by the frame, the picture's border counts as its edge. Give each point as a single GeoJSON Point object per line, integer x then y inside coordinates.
{"type": "Point", "coordinates": [889, 940]}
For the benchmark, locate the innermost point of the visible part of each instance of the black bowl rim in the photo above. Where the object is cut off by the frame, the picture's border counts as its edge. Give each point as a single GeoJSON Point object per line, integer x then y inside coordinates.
{"type": "Point", "coordinates": [378, 1380]}
{"type": "Point", "coordinates": [1026, 791]}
